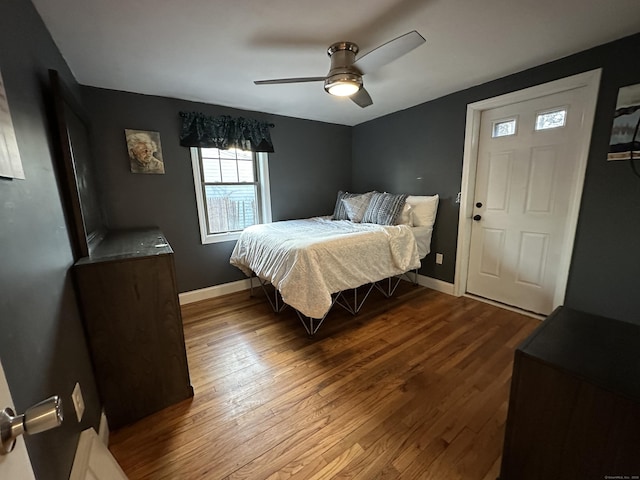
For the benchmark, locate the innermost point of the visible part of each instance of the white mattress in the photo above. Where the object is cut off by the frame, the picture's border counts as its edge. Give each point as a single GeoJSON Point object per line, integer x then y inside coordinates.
{"type": "Point", "coordinates": [423, 239]}
{"type": "Point", "coordinates": [308, 260]}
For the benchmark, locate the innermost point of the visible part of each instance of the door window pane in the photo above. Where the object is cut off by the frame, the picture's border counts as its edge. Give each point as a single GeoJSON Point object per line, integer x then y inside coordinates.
{"type": "Point", "coordinates": [553, 119]}
{"type": "Point", "coordinates": [503, 128]}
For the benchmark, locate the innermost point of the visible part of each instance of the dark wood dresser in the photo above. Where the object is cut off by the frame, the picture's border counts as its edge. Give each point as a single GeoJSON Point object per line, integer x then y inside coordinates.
{"type": "Point", "coordinates": [574, 409]}
{"type": "Point", "coordinates": [128, 295]}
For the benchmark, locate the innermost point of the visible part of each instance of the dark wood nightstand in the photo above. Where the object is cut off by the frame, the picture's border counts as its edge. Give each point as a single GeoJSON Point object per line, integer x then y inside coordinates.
{"type": "Point", "coordinates": [574, 408]}
{"type": "Point", "coordinates": [129, 300]}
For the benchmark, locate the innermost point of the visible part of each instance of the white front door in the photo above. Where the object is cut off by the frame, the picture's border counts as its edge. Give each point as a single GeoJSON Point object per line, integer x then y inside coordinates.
{"type": "Point", "coordinates": [526, 175]}
{"type": "Point", "coordinates": [15, 465]}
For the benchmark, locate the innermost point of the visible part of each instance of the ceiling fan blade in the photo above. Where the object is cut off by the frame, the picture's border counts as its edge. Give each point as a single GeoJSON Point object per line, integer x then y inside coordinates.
{"type": "Point", "coordinates": [389, 51]}
{"type": "Point", "coordinates": [362, 98]}
{"type": "Point", "coordinates": [289, 80]}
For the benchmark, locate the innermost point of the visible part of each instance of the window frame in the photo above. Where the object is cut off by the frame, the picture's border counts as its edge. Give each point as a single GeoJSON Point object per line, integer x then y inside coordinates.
{"type": "Point", "coordinates": [261, 160]}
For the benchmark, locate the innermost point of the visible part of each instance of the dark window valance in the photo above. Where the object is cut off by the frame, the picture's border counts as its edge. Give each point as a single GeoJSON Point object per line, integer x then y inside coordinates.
{"type": "Point", "coordinates": [225, 132]}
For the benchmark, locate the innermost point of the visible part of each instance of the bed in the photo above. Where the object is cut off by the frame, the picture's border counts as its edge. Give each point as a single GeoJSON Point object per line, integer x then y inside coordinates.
{"type": "Point", "coordinates": [311, 262]}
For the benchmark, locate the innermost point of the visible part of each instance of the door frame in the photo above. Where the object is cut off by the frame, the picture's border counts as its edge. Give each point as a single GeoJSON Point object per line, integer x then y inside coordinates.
{"type": "Point", "coordinates": [590, 80]}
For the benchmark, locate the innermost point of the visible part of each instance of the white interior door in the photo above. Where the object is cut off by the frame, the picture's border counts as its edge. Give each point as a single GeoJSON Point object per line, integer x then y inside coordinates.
{"type": "Point", "coordinates": [526, 174]}
{"type": "Point", "coordinates": [15, 465]}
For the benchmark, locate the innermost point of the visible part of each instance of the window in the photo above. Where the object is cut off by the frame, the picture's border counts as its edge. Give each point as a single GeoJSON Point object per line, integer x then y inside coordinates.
{"type": "Point", "coordinates": [232, 191]}
{"type": "Point", "coordinates": [503, 128]}
{"type": "Point", "coordinates": [551, 119]}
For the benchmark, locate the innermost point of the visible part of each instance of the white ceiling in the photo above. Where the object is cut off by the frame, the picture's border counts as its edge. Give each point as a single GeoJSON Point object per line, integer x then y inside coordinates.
{"type": "Point", "coordinates": [212, 50]}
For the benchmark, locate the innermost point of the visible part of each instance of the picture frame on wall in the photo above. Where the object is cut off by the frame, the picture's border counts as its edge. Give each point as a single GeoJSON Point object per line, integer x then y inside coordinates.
{"type": "Point", "coordinates": [145, 151]}
{"type": "Point", "coordinates": [10, 162]}
{"type": "Point", "coordinates": [75, 169]}
{"type": "Point", "coordinates": [625, 132]}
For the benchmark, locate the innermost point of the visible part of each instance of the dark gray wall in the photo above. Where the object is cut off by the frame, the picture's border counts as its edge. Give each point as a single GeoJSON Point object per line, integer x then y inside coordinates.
{"type": "Point", "coordinates": [427, 141]}
{"type": "Point", "coordinates": [414, 152]}
{"type": "Point", "coordinates": [42, 345]}
{"type": "Point", "coordinates": [312, 161]}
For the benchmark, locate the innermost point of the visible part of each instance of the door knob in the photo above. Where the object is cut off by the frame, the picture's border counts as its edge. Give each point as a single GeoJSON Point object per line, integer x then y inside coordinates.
{"type": "Point", "coordinates": [479, 205]}
{"type": "Point", "coordinates": [477, 217]}
{"type": "Point", "coordinates": [41, 417]}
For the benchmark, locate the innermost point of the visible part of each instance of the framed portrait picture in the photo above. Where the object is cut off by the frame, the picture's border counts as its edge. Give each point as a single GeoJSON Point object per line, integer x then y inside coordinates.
{"type": "Point", "coordinates": [10, 162]}
{"type": "Point", "coordinates": [625, 134]}
{"type": "Point", "coordinates": [145, 151]}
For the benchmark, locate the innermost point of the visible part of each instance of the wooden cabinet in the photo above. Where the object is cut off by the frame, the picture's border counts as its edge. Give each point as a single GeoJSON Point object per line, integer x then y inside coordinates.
{"type": "Point", "coordinates": [574, 409]}
{"type": "Point", "coordinates": [127, 290]}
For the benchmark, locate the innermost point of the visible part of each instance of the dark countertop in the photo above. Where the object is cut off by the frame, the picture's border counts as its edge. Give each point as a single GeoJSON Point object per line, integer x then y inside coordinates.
{"type": "Point", "coordinates": [601, 350]}
{"type": "Point", "coordinates": [128, 244]}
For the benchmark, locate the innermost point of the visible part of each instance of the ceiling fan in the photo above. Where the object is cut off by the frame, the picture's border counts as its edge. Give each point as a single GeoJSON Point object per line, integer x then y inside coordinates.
{"type": "Point", "coordinates": [345, 76]}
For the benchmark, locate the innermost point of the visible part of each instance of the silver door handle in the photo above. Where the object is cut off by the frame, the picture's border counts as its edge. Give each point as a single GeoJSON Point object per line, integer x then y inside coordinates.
{"type": "Point", "coordinates": [41, 417]}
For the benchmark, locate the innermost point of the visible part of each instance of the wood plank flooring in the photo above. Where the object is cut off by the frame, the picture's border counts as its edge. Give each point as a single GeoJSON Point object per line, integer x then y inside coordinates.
{"type": "Point", "coordinates": [413, 387]}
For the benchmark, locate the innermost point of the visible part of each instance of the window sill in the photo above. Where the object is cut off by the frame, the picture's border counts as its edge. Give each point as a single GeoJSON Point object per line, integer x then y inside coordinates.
{"type": "Point", "coordinates": [220, 237]}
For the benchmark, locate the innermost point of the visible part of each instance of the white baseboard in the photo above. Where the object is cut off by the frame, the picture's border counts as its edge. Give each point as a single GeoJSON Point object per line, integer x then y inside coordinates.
{"type": "Point", "coordinates": [214, 291]}
{"type": "Point", "coordinates": [240, 285]}
{"type": "Point", "coordinates": [435, 284]}
{"type": "Point", "coordinates": [93, 459]}
{"type": "Point", "coordinates": [103, 429]}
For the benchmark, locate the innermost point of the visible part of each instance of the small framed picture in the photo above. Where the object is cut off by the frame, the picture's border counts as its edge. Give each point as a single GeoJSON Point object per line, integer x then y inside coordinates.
{"type": "Point", "coordinates": [625, 133]}
{"type": "Point", "coordinates": [145, 151]}
{"type": "Point", "coordinates": [10, 162]}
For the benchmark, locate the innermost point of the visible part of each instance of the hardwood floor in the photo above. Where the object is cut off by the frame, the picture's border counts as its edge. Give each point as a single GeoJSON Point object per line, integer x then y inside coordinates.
{"type": "Point", "coordinates": [413, 387]}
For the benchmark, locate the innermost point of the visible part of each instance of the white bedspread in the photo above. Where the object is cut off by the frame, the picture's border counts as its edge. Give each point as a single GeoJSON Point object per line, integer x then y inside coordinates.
{"type": "Point", "coordinates": [308, 260]}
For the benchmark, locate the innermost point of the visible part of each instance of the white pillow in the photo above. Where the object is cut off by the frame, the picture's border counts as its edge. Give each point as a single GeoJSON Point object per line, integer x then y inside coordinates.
{"type": "Point", "coordinates": [405, 216]}
{"type": "Point", "coordinates": [423, 209]}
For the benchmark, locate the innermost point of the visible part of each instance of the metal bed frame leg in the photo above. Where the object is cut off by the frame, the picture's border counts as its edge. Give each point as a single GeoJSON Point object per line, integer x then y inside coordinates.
{"type": "Point", "coordinates": [353, 310]}
{"type": "Point", "coordinates": [391, 287]}
{"type": "Point", "coordinates": [309, 323]}
{"type": "Point", "coordinates": [415, 276]}
{"type": "Point", "coordinates": [276, 303]}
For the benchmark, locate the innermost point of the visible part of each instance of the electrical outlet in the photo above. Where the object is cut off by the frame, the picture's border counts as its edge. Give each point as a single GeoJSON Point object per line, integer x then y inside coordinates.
{"type": "Point", "coordinates": [78, 401]}
{"type": "Point", "coordinates": [439, 258]}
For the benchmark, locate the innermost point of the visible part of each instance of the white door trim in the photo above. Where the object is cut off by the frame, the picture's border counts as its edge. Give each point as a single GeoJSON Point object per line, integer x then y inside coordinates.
{"type": "Point", "coordinates": [94, 460]}
{"type": "Point", "coordinates": [17, 463]}
{"type": "Point", "coordinates": [590, 80]}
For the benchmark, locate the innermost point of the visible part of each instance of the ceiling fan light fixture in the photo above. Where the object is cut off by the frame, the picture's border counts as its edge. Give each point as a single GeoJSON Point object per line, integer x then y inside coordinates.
{"type": "Point", "coordinates": [343, 84]}
{"type": "Point", "coordinates": [345, 75]}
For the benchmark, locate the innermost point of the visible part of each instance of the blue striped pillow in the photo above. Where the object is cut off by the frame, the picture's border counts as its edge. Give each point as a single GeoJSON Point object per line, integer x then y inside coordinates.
{"type": "Point", "coordinates": [384, 208]}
